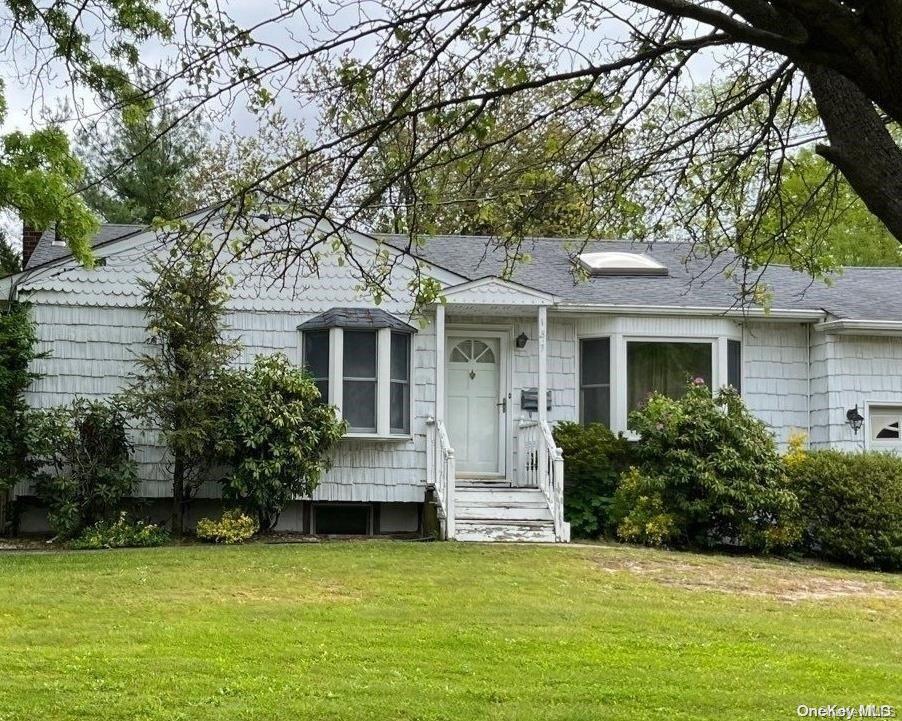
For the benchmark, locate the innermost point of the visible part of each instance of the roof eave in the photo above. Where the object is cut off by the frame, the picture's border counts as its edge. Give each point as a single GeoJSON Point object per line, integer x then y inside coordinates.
{"type": "Point", "coordinates": [801, 315]}
{"type": "Point", "coordinates": [848, 326]}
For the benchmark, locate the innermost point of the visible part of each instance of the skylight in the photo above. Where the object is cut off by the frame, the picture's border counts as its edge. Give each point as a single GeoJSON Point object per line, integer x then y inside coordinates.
{"type": "Point", "coordinates": [620, 263]}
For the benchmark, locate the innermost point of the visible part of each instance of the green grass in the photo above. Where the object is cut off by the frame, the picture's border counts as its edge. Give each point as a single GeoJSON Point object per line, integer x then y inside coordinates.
{"type": "Point", "coordinates": [387, 630]}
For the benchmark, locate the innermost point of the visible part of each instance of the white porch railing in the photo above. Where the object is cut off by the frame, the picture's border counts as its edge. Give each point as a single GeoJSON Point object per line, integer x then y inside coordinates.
{"type": "Point", "coordinates": [541, 465]}
{"type": "Point", "coordinates": [440, 474]}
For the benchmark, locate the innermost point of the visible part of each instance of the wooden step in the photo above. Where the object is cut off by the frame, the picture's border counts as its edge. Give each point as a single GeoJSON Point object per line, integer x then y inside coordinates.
{"type": "Point", "coordinates": [499, 497]}
{"type": "Point", "coordinates": [501, 514]}
{"type": "Point", "coordinates": [479, 483]}
{"type": "Point", "coordinates": [505, 531]}
{"type": "Point", "coordinates": [503, 493]}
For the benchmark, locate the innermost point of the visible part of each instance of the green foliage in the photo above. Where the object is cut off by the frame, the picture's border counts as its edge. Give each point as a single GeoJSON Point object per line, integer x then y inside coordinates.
{"type": "Point", "coordinates": [820, 216]}
{"type": "Point", "coordinates": [594, 458]}
{"type": "Point", "coordinates": [87, 463]}
{"type": "Point", "coordinates": [121, 533]}
{"type": "Point", "coordinates": [137, 168]}
{"type": "Point", "coordinates": [708, 473]}
{"type": "Point", "coordinates": [850, 506]}
{"type": "Point", "coordinates": [492, 176]}
{"type": "Point", "coordinates": [18, 342]}
{"type": "Point", "coordinates": [38, 179]}
{"type": "Point", "coordinates": [233, 527]}
{"type": "Point", "coordinates": [278, 437]}
{"type": "Point", "coordinates": [10, 260]}
{"type": "Point", "coordinates": [96, 45]}
{"type": "Point", "coordinates": [179, 388]}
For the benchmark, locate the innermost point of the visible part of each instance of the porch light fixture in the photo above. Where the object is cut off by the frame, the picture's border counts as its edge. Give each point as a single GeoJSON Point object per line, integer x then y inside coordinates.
{"type": "Point", "coordinates": [521, 340]}
{"type": "Point", "coordinates": [854, 419]}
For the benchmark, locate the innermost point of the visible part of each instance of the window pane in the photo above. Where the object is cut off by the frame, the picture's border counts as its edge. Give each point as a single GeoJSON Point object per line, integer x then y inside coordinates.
{"type": "Point", "coordinates": [359, 405]}
{"type": "Point", "coordinates": [400, 356]}
{"type": "Point", "coordinates": [359, 354]}
{"type": "Point", "coordinates": [595, 362]}
{"type": "Point", "coordinates": [734, 364]}
{"type": "Point", "coordinates": [596, 405]}
{"type": "Point", "coordinates": [884, 423]}
{"type": "Point", "coordinates": [664, 368]}
{"type": "Point", "coordinates": [400, 408]}
{"type": "Point", "coordinates": [323, 387]}
{"type": "Point", "coordinates": [316, 353]}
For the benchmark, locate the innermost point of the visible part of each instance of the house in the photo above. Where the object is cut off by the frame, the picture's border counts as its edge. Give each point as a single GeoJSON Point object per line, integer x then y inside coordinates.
{"type": "Point", "coordinates": [447, 408]}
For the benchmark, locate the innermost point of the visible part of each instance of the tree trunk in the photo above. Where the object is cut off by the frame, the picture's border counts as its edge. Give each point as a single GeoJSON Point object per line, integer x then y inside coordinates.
{"type": "Point", "coordinates": [178, 495]}
{"type": "Point", "coordinates": [861, 146]}
{"type": "Point", "coordinates": [4, 503]}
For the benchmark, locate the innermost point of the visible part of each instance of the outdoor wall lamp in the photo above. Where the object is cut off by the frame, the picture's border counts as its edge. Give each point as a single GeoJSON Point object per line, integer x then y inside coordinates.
{"type": "Point", "coordinates": [854, 419]}
{"type": "Point", "coordinates": [521, 340]}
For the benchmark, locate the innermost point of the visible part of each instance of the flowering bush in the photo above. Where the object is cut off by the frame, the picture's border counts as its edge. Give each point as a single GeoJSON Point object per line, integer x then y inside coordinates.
{"type": "Point", "coordinates": [121, 534]}
{"type": "Point", "coordinates": [233, 527]}
{"type": "Point", "coordinates": [708, 473]}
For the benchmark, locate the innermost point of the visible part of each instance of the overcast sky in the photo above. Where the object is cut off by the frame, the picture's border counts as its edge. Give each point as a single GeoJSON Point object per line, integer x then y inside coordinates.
{"type": "Point", "coordinates": [28, 108]}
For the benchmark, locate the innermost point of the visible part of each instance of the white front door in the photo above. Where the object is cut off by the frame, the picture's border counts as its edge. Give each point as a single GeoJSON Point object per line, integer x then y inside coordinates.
{"type": "Point", "coordinates": [475, 409]}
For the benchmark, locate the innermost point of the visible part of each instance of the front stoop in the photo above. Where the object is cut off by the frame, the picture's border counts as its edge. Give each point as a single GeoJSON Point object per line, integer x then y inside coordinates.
{"type": "Point", "coordinates": [493, 511]}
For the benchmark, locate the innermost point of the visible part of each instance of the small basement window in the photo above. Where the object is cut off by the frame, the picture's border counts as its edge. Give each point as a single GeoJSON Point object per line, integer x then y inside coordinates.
{"type": "Point", "coordinates": [342, 519]}
{"type": "Point", "coordinates": [620, 263]}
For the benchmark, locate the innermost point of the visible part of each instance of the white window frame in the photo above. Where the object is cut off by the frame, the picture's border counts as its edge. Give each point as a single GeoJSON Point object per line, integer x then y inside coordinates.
{"type": "Point", "coordinates": [619, 410]}
{"type": "Point", "coordinates": [579, 375]}
{"type": "Point", "coordinates": [383, 381]}
{"type": "Point", "coordinates": [872, 443]}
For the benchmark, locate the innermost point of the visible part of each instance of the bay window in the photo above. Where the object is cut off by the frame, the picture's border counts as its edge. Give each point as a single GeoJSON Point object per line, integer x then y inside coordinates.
{"type": "Point", "coordinates": [316, 360]}
{"type": "Point", "coordinates": [595, 380]}
{"type": "Point", "coordinates": [360, 361]}
{"type": "Point", "coordinates": [399, 395]}
{"type": "Point", "coordinates": [617, 374]}
{"type": "Point", "coordinates": [664, 367]}
{"type": "Point", "coordinates": [360, 380]}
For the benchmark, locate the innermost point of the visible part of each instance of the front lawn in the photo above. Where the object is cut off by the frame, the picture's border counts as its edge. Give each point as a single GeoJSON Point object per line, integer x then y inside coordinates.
{"type": "Point", "coordinates": [388, 630]}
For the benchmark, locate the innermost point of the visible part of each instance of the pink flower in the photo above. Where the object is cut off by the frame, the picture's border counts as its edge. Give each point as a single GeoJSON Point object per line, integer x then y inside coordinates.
{"type": "Point", "coordinates": [699, 381]}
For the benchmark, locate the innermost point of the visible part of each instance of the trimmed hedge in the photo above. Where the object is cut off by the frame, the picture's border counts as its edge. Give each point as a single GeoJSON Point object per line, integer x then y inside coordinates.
{"type": "Point", "coordinates": [851, 506]}
{"type": "Point", "coordinates": [594, 458]}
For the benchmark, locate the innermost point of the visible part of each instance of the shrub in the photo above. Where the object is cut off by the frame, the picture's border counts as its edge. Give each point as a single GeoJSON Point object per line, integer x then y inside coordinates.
{"type": "Point", "coordinates": [708, 473]}
{"type": "Point", "coordinates": [594, 458]}
{"type": "Point", "coordinates": [278, 437]}
{"type": "Point", "coordinates": [121, 533]}
{"type": "Point", "coordinates": [87, 460]}
{"type": "Point", "coordinates": [233, 527]}
{"type": "Point", "coordinates": [850, 506]}
{"type": "Point", "coordinates": [17, 350]}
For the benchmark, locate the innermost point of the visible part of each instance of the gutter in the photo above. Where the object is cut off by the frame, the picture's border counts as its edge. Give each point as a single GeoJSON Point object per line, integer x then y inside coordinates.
{"type": "Point", "coordinates": [801, 315]}
{"type": "Point", "coordinates": [860, 327]}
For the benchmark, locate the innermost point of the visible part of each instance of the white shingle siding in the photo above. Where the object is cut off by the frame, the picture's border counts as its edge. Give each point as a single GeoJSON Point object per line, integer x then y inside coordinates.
{"type": "Point", "coordinates": [794, 377]}
{"type": "Point", "coordinates": [775, 375]}
{"type": "Point", "coordinates": [861, 370]}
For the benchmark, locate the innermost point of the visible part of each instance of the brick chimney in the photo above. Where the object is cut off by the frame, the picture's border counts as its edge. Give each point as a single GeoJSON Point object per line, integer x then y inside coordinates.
{"type": "Point", "coordinates": [30, 238]}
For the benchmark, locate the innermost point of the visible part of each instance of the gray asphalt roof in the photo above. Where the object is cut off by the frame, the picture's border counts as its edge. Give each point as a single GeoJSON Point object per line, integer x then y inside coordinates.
{"type": "Point", "coordinates": [692, 282]}
{"type": "Point", "coordinates": [47, 250]}
{"type": "Point", "coordinates": [857, 293]}
{"type": "Point", "coordinates": [368, 318]}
